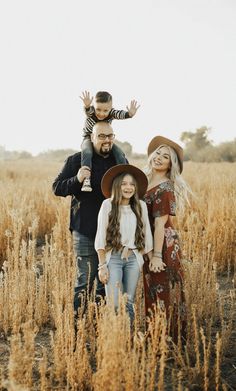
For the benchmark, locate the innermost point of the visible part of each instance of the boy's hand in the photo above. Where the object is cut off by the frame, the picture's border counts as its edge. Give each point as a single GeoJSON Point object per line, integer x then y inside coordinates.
{"type": "Point", "coordinates": [86, 99]}
{"type": "Point", "coordinates": [133, 108]}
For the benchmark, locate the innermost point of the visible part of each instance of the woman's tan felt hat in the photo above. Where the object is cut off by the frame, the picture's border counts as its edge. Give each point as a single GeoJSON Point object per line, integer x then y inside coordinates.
{"type": "Point", "coordinates": [159, 140]}
{"type": "Point", "coordinates": [113, 172]}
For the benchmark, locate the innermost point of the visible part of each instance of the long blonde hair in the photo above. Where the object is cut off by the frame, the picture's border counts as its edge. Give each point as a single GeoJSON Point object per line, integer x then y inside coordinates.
{"type": "Point", "coordinates": [181, 188]}
{"type": "Point", "coordinates": [113, 235]}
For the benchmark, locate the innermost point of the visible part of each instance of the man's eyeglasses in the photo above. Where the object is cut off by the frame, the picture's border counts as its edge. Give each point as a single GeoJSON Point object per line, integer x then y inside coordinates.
{"type": "Point", "coordinates": [102, 136]}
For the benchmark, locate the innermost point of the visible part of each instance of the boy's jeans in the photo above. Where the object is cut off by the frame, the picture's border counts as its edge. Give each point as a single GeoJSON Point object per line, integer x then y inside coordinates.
{"type": "Point", "coordinates": [86, 152]}
{"type": "Point", "coordinates": [123, 277]}
{"type": "Point", "coordinates": [87, 268]}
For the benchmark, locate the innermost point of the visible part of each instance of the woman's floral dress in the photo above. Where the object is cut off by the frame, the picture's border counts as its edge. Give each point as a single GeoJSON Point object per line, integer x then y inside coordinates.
{"type": "Point", "coordinates": [165, 287]}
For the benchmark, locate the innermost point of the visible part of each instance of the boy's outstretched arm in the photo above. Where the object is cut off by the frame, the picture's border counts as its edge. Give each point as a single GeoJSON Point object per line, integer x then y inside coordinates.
{"type": "Point", "coordinates": [132, 109]}
{"type": "Point", "coordinates": [87, 100]}
{"type": "Point", "coordinates": [122, 114]}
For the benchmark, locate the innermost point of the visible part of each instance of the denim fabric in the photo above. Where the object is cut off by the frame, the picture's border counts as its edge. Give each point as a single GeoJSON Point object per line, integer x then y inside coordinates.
{"type": "Point", "coordinates": [123, 277]}
{"type": "Point", "coordinates": [118, 154]}
{"type": "Point", "coordinates": [87, 265]}
{"type": "Point", "coordinates": [86, 152]}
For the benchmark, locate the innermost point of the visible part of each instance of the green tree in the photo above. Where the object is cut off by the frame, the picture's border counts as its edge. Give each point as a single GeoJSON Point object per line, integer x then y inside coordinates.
{"type": "Point", "coordinates": [198, 139]}
{"type": "Point", "coordinates": [196, 142]}
{"type": "Point", "coordinates": [227, 151]}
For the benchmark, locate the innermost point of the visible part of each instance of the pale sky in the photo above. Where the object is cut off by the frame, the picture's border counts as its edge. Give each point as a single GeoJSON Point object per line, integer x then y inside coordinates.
{"type": "Point", "coordinates": [176, 57]}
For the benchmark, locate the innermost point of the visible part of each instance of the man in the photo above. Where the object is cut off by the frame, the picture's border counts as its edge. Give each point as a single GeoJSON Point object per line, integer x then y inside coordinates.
{"type": "Point", "coordinates": [85, 205]}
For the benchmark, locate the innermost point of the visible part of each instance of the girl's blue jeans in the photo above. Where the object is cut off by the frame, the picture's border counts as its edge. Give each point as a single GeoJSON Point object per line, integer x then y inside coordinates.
{"type": "Point", "coordinates": [123, 278]}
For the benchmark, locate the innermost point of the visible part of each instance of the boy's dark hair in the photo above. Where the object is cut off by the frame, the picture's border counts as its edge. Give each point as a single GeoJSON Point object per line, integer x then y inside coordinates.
{"type": "Point", "coordinates": [103, 97]}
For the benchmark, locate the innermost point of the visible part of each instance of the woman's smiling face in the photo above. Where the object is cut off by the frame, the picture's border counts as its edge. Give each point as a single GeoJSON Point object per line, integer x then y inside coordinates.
{"type": "Point", "coordinates": [161, 159]}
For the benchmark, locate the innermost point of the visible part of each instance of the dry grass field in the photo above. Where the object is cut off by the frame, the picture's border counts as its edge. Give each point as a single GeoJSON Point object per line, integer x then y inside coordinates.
{"type": "Point", "coordinates": [38, 346]}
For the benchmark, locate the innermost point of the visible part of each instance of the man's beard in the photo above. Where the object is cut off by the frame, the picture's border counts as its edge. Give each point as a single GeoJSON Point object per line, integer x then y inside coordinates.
{"type": "Point", "coordinates": [105, 152]}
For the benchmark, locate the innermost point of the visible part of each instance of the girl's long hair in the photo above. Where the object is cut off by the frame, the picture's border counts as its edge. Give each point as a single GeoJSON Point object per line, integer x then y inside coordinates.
{"type": "Point", "coordinates": [181, 188]}
{"type": "Point", "coordinates": [113, 236]}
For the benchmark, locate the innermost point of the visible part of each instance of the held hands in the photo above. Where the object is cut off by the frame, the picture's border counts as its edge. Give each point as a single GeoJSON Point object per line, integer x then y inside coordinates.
{"type": "Point", "coordinates": [84, 172]}
{"type": "Point", "coordinates": [157, 265]}
{"type": "Point", "coordinates": [86, 99]}
{"type": "Point", "coordinates": [103, 273]}
{"type": "Point", "coordinates": [133, 108]}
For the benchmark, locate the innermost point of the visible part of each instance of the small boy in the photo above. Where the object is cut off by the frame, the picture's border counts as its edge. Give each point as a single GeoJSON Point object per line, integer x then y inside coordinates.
{"type": "Point", "coordinates": [101, 111]}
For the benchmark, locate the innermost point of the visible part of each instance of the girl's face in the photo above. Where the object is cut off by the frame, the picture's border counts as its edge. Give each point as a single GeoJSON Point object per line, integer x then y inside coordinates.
{"type": "Point", "coordinates": [161, 159]}
{"type": "Point", "coordinates": [127, 187]}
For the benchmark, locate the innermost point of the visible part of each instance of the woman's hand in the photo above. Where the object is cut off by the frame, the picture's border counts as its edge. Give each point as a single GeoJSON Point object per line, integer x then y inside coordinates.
{"type": "Point", "coordinates": [103, 274]}
{"type": "Point", "coordinates": [157, 265]}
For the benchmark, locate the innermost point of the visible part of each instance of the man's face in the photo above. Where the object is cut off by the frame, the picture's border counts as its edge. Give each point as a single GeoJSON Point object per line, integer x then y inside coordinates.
{"type": "Point", "coordinates": [102, 138]}
{"type": "Point", "coordinates": [102, 109]}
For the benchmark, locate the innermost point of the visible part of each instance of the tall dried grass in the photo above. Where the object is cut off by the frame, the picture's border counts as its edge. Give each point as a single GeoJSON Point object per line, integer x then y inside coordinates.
{"type": "Point", "coordinates": [36, 295]}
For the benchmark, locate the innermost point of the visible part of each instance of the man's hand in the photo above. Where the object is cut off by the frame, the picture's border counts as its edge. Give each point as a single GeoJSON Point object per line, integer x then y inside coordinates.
{"type": "Point", "coordinates": [133, 108]}
{"type": "Point", "coordinates": [84, 172]}
{"type": "Point", "coordinates": [86, 99]}
{"type": "Point", "coordinates": [156, 265]}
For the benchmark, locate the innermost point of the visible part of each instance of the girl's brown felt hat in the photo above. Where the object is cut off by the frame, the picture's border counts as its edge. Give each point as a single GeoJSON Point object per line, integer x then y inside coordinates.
{"type": "Point", "coordinates": [113, 172]}
{"type": "Point", "coordinates": [159, 140]}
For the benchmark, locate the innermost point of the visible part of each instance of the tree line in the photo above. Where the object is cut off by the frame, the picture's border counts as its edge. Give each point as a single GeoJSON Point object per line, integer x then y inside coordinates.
{"type": "Point", "coordinates": [197, 147]}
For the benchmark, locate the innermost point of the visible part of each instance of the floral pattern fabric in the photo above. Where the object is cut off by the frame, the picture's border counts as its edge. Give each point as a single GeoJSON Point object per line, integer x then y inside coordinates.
{"type": "Point", "coordinates": [166, 287]}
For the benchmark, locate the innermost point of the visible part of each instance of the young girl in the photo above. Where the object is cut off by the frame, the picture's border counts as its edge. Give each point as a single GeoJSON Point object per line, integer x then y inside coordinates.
{"type": "Point", "coordinates": [123, 233]}
{"type": "Point", "coordinates": [101, 111]}
{"type": "Point", "coordinates": [163, 275]}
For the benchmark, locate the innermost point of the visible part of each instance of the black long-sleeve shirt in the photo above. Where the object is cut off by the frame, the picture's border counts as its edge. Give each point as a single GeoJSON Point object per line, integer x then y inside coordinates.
{"type": "Point", "coordinates": [84, 205]}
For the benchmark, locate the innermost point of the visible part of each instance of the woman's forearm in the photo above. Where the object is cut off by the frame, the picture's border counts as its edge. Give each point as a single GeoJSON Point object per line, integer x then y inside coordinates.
{"type": "Point", "coordinates": [158, 238]}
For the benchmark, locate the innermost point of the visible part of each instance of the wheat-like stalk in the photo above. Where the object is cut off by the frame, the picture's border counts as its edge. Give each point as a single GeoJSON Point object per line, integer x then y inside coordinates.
{"type": "Point", "coordinates": [36, 294]}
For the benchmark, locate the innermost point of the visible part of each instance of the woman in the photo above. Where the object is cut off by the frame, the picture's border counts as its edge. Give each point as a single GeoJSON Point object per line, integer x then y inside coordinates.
{"type": "Point", "coordinates": [123, 233]}
{"type": "Point", "coordinates": [163, 275]}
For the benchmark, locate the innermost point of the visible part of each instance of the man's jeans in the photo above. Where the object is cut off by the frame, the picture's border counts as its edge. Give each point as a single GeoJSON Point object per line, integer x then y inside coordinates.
{"type": "Point", "coordinates": [87, 269]}
{"type": "Point", "coordinates": [123, 278]}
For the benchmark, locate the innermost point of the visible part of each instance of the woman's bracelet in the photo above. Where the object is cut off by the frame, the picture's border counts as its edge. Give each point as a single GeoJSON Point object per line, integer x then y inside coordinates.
{"type": "Point", "coordinates": [157, 254]}
{"type": "Point", "coordinates": [100, 266]}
